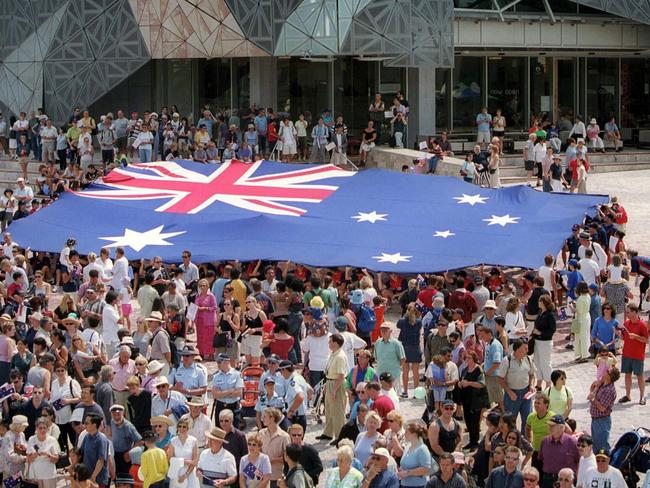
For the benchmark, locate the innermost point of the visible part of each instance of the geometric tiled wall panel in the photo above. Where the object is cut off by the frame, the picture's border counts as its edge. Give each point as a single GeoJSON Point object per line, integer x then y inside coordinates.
{"type": "Point", "coordinates": [91, 52]}
{"type": "Point", "coordinates": [191, 29]}
{"type": "Point", "coordinates": [638, 10]}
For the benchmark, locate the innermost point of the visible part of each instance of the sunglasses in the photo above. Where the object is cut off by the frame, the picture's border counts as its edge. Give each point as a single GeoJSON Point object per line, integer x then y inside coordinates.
{"type": "Point", "coordinates": [530, 480]}
{"type": "Point", "coordinates": [160, 387]}
{"type": "Point", "coordinates": [184, 427]}
{"type": "Point", "coordinates": [253, 444]}
{"type": "Point", "coordinates": [448, 408]}
{"type": "Point", "coordinates": [296, 435]}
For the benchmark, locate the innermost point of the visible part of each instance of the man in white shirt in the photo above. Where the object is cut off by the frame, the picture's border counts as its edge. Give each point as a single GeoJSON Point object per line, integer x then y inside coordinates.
{"type": "Point", "coordinates": [111, 323]}
{"type": "Point", "coordinates": [589, 268]}
{"type": "Point", "coordinates": [106, 264]}
{"type": "Point", "coordinates": [92, 264]}
{"type": "Point", "coordinates": [24, 193]}
{"type": "Point", "coordinates": [604, 475]}
{"type": "Point", "coordinates": [599, 254]}
{"type": "Point", "coordinates": [120, 271]}
{"type": "Point", "coordinates": [190, 270]}
{"type": "Point", "coordinates": [587, 459]}
{"type": "Point", "coordinates": [352, 342]}
{"type": "Point", "coordinates": [8, 244]}
{"type": "Point", "coordinates": [548, 273]}
{"type": "Point", "coordinates": [217, 459]}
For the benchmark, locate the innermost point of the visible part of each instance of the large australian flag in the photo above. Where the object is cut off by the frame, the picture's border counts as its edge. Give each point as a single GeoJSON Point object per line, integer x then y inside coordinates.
{"type": "Point", "coordinates": [318, 215]}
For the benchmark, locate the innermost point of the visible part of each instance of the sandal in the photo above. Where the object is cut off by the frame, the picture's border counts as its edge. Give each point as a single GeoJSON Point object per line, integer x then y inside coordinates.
{"type": "Point", "coordinates": [642, 401]}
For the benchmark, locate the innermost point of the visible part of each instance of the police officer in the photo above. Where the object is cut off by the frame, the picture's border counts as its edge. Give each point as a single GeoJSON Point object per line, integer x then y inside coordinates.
{"type": "Point", "coordinates": [274, 362]}
{"type": "Point", "coordinates": [189, 378]}
{"type": "Point", "coordinates": [270, 398]}
{"type": "Point", "coordinates": [295, 395]}
{"type": "Point", "coordinates": [227, 388]}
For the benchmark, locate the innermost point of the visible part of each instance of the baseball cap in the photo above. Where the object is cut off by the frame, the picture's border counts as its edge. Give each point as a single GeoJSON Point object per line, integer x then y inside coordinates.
{"type": "Point", "coordinates": [557, 420]}
{"type": "Point", "coordinates": [273, 358]}
{"type": "Point", "coordinates": [285, 363]}
{"type": "Point", "coordinates": [386, 376]}
{"type": "Point", "coordinates": [222, 356]}
{"type": "Point", "coordinates": [603, 453]}
{"type": "Point", "coordinates": [269, 379]}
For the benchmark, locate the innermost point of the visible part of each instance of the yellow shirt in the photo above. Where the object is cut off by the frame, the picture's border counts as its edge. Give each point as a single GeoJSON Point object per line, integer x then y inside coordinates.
{"type": "Point", "coordinates": [337, 365]}
{"type": "Point", "coordinates": [153, 467]}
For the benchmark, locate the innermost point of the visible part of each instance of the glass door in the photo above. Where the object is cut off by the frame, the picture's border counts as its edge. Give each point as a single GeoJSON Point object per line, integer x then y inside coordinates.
{"type": "Point", "coordinates": [541, 88]}
{"type": "Point", "coordinates": [564, 101]}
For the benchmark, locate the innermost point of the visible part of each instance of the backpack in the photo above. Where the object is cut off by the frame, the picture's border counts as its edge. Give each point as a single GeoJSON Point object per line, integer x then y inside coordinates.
{"type": "Point", "coordinates": [172, 347]}
{"type": "Point", "coordinates": [366, 319]}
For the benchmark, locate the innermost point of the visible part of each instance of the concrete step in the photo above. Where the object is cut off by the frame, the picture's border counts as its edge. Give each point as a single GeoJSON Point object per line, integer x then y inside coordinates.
{"type": "Point", "coordinates": [594, 158]}
{"type": "Point", "coordinates": [595, 167]}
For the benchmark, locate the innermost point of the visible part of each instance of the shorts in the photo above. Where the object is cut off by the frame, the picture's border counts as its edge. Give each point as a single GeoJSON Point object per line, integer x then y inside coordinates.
{"type": "Point", "coordinates": [529, 165]}
{"type": "Point", "coordinates": [498, 133]}
{"type": "Point", "coordinates": [495, 392]}
{"type": "Point", "coordinates": [483, 136]}
{"type": "Point", "coordinates": [126, 309]}
{"type": "Point", "coordinates": [13, 144]}
{"type": "Point", "coordinates": [413, 353]}
{"type": "Point", "coordinates": [367, 147]}
{"type": "Point", "coordinates": [302, 142]}
{"type": "Point", "coordinates": [289, 149]}
{"type": "Point", "coordinates": [539, 169]}
{"type": "Point", "coordinates": [108, 156]}
{"type": "Point", "coordinates": [634, 366]}
{"type": "Point", "coordinates": [251, 346]}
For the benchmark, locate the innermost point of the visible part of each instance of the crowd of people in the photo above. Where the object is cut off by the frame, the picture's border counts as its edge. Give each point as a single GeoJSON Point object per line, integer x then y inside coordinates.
{"type": "Point", "coordinates": [67, 152]}
{"type": "Point", "coordinates": [102, 374]}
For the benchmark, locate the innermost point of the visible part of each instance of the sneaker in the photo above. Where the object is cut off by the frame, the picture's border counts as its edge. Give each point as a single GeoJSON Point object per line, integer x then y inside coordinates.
{"type": "Point", "coordinates": [324, 437]}
{"type": "Point", "coordinates": [625, 399]}
{"type": "Point", "coordinates": [642, 401]}
{"type": "Point", "coordinates": [404, 395]}
{"type": "Point", "coordinates": [569, 347]}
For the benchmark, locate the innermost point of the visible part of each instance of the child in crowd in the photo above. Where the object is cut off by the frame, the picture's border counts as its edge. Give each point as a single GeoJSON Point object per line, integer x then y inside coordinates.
{"type": "Point", "coordinates": [438, 381]}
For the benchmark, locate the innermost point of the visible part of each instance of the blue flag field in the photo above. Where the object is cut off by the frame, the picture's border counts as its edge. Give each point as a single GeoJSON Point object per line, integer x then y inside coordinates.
{"type": "Point", "coordinates": [316, 215]}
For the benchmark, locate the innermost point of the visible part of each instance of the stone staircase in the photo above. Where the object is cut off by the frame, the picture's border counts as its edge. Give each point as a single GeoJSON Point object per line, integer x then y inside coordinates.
{"type": "Point", "coordinates": [10, 171]}
{"type": "Point", "coordinates": [512, 167]}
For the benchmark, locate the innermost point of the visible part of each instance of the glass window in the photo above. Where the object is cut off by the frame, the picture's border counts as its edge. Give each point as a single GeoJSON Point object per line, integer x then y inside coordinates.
{"type": "Point", "coordinates": [602, 89]}
{"type": "Point", "coordinates": [241, 86]}
{"type": "Point", "coordinates": [214, 84]}
{"type": "Point", "coordinates": [468, 91]}
{"type": "Point", "coordinates": [178, 84]}
{"type": "Point", "coordinates": [355, 83]}
{"type": "Point", "coordinates": [541, 82]}
{"type": "Point", "coordinates": [582, 86]}
{"type": "Point", "coordinates": [507, 90]}
{"type": "Point", "coordinates": [443, 99]}
{"type": "Point", "coordinates": [482, 4]}
{"type": "Point", "coordinates": [635, 93]}
{"type": "Point", "coordinates": [566, 91]}
{"type": "Point", "coordinates": [303, 87]}
{"type": "Point", "coordinates": [133, 94]}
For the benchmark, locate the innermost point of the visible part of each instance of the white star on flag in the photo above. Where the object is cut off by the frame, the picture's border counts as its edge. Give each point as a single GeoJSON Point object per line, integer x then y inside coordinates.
{"type": "Point", "coordinates": [392, 258]}
{"type": "Point", "coordinates": [502, 220]}
{"type": "Point", "coordinates": [371, 217]}
{"type": "Point", "coordinates": [139, 240]}
{"type": "Point", "coordinates": [443, 233]}
{"type": "Point", "coordinates": [471, 199]}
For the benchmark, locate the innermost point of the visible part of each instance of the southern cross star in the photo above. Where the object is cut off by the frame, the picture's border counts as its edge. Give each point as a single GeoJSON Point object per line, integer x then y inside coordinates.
{"type": "Point", "coordinates": [139, 240]}
{"type": "Point", "coordinates": [471, 199]}
{"type": "Point", "coordinates": [371, 217]}
{"type": "Point", "coordinates": [443, 233]}
{"type": "Point", "coordinates": [502, 220]}
{"type": "Point", "coordinates": [392, 258]}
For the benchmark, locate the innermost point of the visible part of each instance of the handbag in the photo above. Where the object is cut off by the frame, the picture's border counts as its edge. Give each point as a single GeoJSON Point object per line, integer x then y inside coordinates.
{"type": "Point", "coordinates": [220, 340]}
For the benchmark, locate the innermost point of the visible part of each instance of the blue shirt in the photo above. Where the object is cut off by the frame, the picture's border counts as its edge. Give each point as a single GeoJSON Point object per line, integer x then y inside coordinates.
{"type": "Point", "coordinates": [227, 381]}
{"type": "Point", "coordinates": [355, 408]}
{"type": "Point", "coordinates": [493, 355]}
{"type": "Point", "coordinates": [420, 457]}
{"type": "Point", "coordinates": [385, 479]}
{"type": "Point", "coordinates": [483, 122]}
{"type": "Point", "coordinates": [208, 124]}
{"type": "Point", "coordinates": [217, 288]}
{"type": "Point", "coordinates": [293, 388]}
{"type": "Point", "coordinates": [261, 125]}
{"type": "Point", "coordinates": [279, 382]}
{"type": "Point", "coordinates": [192, 378]}
{"type": "Point", "coordinates": [409, 334]}
{"type": "Point", "coordinates": [595, 308]}
{"type": "Point", "coordinates": [94, 448]}
{"type": "Point", "coordinates": [124, 436]}
{"type": "Point", "coordinates": [603, 330]}
{"type": "Point", "coordinates": [275, 401]}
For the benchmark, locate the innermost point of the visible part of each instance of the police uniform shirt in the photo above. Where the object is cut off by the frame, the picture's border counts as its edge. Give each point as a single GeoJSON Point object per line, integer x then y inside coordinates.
{"type": "Point", "coordinates": [228, 381]}
{"type": "Point", "coordinates": [279, 382]}
{"type": "Point", "coordinates": [264, 402]}
{"type": "Point", "coordinates": [293, 388]}
{"type": "Point", "coordinates": [192, 378]}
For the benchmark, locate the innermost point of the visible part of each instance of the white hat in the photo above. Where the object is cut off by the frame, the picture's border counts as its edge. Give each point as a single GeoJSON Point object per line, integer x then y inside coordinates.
{"type": "Point", "coordinates": [490, 304]}
{"type": "Point", "coordinates": [77, 415]}
{"type": "Point", "coordinates": [161, 380]}
{"type": "Point", "coordinates": [20, 180]}
{"type": "Point", "coordinates": [154, 366]}
{"type": "Point", "coordinates": [593, 121]}
{"type": "Point", "coordinates": [19, 421]}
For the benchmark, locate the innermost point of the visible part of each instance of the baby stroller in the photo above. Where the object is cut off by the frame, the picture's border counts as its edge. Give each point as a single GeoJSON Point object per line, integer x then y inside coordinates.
{"type": "Point", "coordinates": [318, 405]}
{"type": "Point", "coordinates": [629, 455]}
{"type": "Point", "coordinates": [251, 376]}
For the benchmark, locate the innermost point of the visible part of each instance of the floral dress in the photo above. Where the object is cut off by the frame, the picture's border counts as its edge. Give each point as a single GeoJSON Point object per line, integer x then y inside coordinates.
{"type": "Point", "coordinates": [353, 479]}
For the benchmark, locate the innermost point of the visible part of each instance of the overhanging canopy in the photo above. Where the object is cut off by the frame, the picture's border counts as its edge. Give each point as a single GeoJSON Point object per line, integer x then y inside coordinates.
{"type": "Point", "coordinates": [316, 215]}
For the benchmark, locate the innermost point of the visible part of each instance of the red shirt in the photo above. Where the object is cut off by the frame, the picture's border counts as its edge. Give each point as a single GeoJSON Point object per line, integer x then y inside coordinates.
{"type": "Point", "coordinates": [426, 296]}
{"type": "Point", "coordinates": [383, 405]}
{"type": "Point", "coordinates": [632, 348]}
{"type": "Point", "coordinates": [379, 316]}
{"type": "Point", "coordinates": [281, 347]}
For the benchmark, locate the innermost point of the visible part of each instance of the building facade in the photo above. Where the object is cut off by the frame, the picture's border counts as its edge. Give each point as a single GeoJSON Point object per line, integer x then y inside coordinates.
{"type": "Point", "coordinates": [549, 58]}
